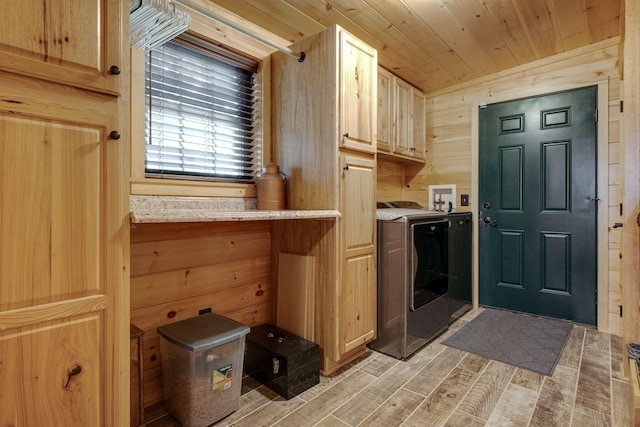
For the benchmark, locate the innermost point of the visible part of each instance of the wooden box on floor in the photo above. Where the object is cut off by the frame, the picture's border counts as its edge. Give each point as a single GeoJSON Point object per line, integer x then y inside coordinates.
{"type": "Point", "coordinates": [137, 401]}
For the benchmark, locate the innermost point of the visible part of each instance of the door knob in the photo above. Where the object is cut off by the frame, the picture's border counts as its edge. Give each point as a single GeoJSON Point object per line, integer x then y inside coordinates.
{"type": "Point", "coordinates": [490, 222]}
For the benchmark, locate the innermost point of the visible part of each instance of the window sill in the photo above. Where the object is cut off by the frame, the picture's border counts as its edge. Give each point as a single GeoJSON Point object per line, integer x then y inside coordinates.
{"type": "Point", "coordinates": [161, 209]}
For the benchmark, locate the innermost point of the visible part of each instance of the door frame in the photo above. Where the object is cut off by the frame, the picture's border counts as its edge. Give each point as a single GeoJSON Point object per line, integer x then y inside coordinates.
{"type": "Point", "coordinates": [602, 178]}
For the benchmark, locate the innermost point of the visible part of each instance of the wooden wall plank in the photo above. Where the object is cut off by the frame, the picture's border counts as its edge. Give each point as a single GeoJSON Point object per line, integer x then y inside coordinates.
{"type": "Point", "coordinates": [296, 28]}
{"type": "Point", "coordinates": [153, 257]}
{"type": "Point", "coordinates": [574, 28]}
{"type": "Point", "coordinates": [390, 181]}
{"type": "Point", "coordinates": [540, 26]}
{"type": "Point", "coordinates": [405, 20]}
{"type": "Point", "coordinates": [327, 15]}
{"type": "Point", "coordinates": [604, 19]}
{"type": "Point", "coordinates": [475, 20]}
{"type": "Point", "coordinates": [440, 20]}
{"type": "Point", "coordinates": [178, 269]}
{"type": "Point", "coordinates": [439, 43]}
{"type": "Point", "coordinates": [630, 274]}
{"type": "Point", "coordinates": [512, 30]}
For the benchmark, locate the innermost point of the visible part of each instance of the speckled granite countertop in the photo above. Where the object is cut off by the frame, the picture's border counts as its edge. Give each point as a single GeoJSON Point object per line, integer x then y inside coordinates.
{"type": "Point", "coordinates": [155, 209]}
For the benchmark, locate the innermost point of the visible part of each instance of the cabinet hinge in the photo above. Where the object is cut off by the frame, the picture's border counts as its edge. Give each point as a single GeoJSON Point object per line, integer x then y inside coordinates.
{"type": "Point", "coordinates": [621, 106]}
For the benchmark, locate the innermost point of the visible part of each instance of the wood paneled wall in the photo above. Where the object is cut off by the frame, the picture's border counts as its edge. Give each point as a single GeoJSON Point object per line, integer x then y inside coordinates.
{"type": "Point", "coordinates": [178, 269]}
{"type": "Point", "coordinates": [450, 138]}
{"type": "Point", "coordinates": [390, 185]}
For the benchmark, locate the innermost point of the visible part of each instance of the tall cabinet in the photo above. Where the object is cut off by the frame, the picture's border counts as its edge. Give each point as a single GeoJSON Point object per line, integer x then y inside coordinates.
{"type": "Point", "coordinates": [64, 224]}
{"type": "Point", "coordinates": [324, 133]}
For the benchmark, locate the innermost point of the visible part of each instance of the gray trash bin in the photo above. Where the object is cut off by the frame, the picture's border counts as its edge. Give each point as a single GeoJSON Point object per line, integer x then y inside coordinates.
{"type": "Point", "coordinates": [202, 361]}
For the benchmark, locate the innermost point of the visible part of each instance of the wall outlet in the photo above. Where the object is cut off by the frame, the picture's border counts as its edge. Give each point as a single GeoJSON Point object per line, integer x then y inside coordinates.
{"type": "Point", "coordinates": [464, 200]}
{"type": "Point", "coordinates": [204, 311]}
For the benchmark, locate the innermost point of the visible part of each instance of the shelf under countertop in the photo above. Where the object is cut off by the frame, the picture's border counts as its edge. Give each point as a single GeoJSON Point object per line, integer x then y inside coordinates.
{"type": "Point", "coordinates": [164, 209]}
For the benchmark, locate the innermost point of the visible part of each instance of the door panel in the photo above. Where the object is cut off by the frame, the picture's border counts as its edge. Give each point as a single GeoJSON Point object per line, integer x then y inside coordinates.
{"type": "Point", "coordinates": [386, 109]}
{"type": "Point", "coordinates": [69, 41]}
{"type": "Point", "coordinates": [511, 172]}
{"type": "Point", "coordinates": [357, 192]}
{"type": "Point", "coordinates": [357, 295]}
{"type": "Point", "coordinates": [64, 255]}
{"type": "Point", "coordinates": [556, 249]}
{"type": "Point", "coordinates": [358, 94]}
{"type": "Point", "coordinates": [57, 367]}
{"type": "Point", "coordinates": [512, 262]}
{"type": "Point", "coordinates": [358, 302]}
{"type": "Point", "coordinates": [403, 118]}
{"type": "Point", "coordinates": [555, 176]}
{"type": "Point", "coordinates": [537, 211]}
{"type": "Point", "coordinates": [55, 251]}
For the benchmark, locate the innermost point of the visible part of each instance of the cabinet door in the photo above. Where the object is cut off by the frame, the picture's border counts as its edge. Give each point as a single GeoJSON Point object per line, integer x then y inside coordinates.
{"type": "Point", "coordinates": [403, 141]}
{"type": "Point", "coordinates": [358, 302]}
{"type": "Point", "coordinates": [63, 257]}
{"type": "Point", "coordinates": [418, 124]}
{"type": "Point", "coordinates": [357, 202]}
{"type": "Point", "coordinates": [357, 299]}
{"type": "Point", "coordinates": [68, 41]}
{"type": "Point", "coordinates": [358, 88]}
{"type": "Point", "coordinates": [386, 110]}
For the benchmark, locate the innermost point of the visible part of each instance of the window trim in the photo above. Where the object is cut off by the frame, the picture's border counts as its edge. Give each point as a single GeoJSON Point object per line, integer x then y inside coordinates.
{"type": "Point", "coordinates": [140, 184]}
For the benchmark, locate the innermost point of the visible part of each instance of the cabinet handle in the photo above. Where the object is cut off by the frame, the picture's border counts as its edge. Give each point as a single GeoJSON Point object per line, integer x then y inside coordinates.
{"type": "Point", "coordinates": [346, 135]}
{"type": "Point", "coordinates": [346, 167]}
{"type": "Point", "coordinates": [412, 149]}
{"type": "Point", "coordinates": [114, 134]}
{"type": "Point", "coordinates": [114, 70]}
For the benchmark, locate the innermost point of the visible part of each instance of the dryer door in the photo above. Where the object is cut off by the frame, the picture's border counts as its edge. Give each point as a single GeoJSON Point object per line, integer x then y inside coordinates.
{"type": "Point", "coordinates": [429, 261]}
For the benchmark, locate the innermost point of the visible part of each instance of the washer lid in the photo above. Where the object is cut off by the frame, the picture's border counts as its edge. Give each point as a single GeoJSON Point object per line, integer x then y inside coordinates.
{"type": "Point", "coordinates": [390, 214]}
{"type": "Point", "coordinates": [405, 204]}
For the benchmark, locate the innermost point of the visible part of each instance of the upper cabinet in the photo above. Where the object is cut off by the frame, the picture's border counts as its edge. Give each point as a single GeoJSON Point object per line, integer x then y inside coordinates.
{"type": "Point", "coordinates": [401, 120]}
{"type": "Point", "coordinates": [386, 110]}
{"type": "Point", "coordinates": [75, 42]}
{"type": "Point", "coordinates": [358, 63]}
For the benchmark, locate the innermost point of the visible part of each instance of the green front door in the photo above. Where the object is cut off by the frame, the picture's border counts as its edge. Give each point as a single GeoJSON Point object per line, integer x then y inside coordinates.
{"type": "Point", "coordinates": [538, 202]}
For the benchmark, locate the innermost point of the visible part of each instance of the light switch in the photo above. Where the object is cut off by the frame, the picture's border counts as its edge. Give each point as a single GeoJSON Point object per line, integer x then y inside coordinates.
{"type": "Point", "coordinates": [464, 200]}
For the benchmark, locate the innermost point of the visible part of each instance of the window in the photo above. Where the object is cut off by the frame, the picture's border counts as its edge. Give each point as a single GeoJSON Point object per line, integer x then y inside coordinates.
{"type": "Point", "coordinates": [199, 112]}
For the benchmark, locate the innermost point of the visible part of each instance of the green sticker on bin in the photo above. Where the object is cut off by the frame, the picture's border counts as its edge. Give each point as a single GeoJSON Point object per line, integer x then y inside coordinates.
{"type": "Point", "coordinates": [221, 379]}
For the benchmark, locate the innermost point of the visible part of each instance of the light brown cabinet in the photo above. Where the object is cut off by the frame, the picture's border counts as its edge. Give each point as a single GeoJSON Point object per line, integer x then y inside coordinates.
{"type": "Point", "coordinates": [75, 42]}
{"type": "Point", "coordinates": [316, 103]}
{"type": "Point", "coordinates": [386, 110]}
{"type": "Point", "coordinates": [358, 63]}
{"type": "Point", "coordinates": [402, 120]}
{"type": "Point", "coordinates": [64, 303]}
{"type": "Point", "coordinates": [358, 284]}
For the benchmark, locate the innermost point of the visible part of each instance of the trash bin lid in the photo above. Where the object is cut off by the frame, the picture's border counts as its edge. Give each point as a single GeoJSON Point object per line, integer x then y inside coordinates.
{"type": "Point", "coordinates": [203, 332]}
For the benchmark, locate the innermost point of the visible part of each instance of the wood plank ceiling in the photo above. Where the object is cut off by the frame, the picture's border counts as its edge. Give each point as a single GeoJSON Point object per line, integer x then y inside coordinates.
{"type": "Point", "coordinates": [434, 44]}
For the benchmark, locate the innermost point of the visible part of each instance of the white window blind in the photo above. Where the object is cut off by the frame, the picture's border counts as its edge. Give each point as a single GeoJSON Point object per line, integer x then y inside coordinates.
{"type": "Point", "coordinates": [199, 114]}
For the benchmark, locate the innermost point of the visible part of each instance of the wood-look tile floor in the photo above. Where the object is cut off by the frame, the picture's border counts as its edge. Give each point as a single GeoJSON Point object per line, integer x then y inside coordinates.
{"type": "Point", "coordinates": [441, 386]}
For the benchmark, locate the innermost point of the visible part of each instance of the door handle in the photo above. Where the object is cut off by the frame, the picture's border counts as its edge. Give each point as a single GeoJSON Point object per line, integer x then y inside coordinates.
{"type": "Point", "coordinates": [490, 222]}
